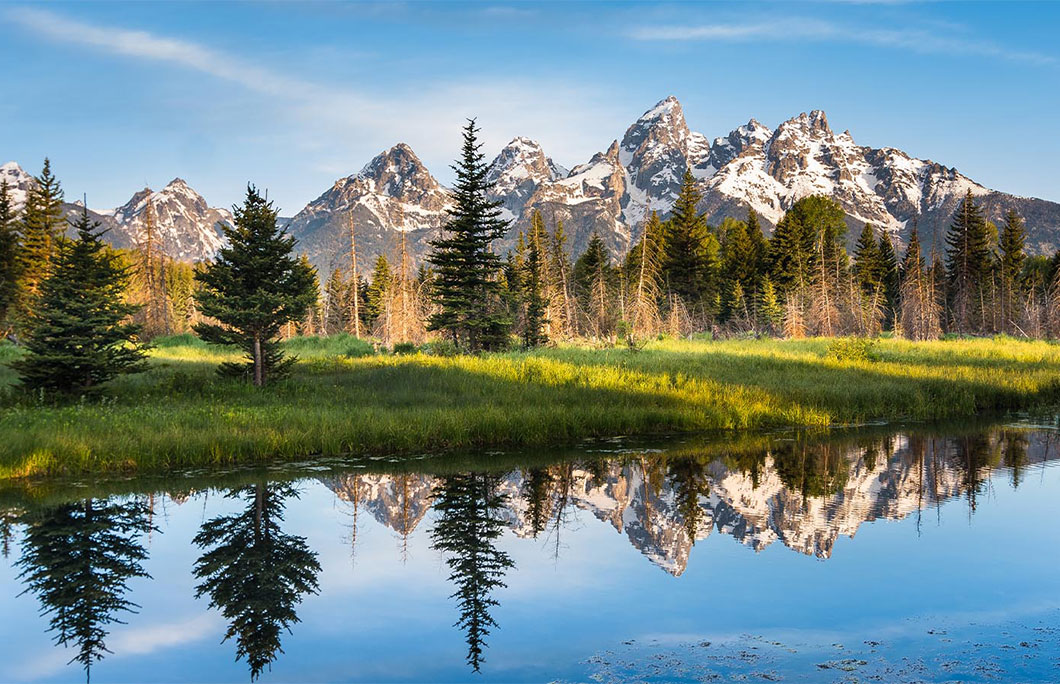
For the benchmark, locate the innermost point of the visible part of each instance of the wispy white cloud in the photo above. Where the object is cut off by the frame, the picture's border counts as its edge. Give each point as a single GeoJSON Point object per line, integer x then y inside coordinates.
{"type": "Point", "coordinates": [335, 122]}
{"type": "Point", "coordinates": [790, 29]}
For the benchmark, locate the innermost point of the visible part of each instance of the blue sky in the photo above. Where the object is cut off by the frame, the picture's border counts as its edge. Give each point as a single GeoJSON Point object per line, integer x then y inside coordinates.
{"type": "Point", "coordinates": [293, 96]}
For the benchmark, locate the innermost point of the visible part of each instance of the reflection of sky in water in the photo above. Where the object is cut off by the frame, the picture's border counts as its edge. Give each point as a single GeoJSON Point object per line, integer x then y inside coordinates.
{"type": "Point", "coordinates": [381, 617]}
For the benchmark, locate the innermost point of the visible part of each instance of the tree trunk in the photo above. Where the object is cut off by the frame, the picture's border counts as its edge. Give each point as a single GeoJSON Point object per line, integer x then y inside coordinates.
{"type": "Point", "coordinates": [259, 364]}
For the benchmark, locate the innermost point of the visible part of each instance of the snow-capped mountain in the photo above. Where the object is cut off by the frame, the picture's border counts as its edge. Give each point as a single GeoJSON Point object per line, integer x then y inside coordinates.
{"type": "Point", "coordinates": [188, 229]}
{"type": "Point", "coordinates": [613, 193]}
{"type": "Point", "coordinates": [18, 183]}
{"type": "Point", "coordinates": [517, 171]}
{"type": "Point", "coordinates": [393, 193]}
{"type": "Point", "coordinates": [753, 166]}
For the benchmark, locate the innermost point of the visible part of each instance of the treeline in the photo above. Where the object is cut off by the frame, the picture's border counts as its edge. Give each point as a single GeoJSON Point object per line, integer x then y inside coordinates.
{"type": "Point", "coordinates": [682, 276]}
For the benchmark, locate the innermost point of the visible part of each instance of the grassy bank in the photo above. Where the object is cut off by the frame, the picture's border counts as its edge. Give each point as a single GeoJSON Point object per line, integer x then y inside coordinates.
{"type": "Point", "coordinates": [343, 399]}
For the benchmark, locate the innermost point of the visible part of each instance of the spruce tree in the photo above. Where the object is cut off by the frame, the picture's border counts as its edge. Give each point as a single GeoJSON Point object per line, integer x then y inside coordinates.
{"type": "Point", "coordinates": [594, 282]}
{"type": "Point", "coordinates": [968, 257]}
{"type": "Point", "coordinates": [868, 263]}
{"type": "Point", "coordinates": [686, 263]}
{"type": "Point", "coordinates": [560, 286]}
{"type": "Point", "coordinates": [769, 308]}
{"type": "Point", "coordinates": [891, 277]}
{"type": "Point", "coordinates": [466, 287]}
{"type": "Point", "coordinates": [378, 291]}
{"type": "Point", "coordinates": [42, 227]}
{"type": "Point", "coordinates": [534, 284]}
{"type": "Point", "coordinates": [9, 261]}
{"type": "Point", "coordinates": [80, 336]}
{"type": "Point", "coordinates": [1012, 257]}
{"type": "Point", "coordinates": [255, 286]}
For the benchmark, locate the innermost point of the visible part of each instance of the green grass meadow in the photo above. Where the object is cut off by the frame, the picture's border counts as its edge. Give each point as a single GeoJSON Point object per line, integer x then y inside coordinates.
{"type": "Point", "coordinates": [345, 399]}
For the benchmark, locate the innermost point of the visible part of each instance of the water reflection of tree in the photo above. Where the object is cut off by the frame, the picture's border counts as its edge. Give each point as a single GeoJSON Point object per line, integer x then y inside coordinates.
{"type": "Point", "coordinates": [470, 521]}
{"type": "Point", "coordinates": [8, 519]}
{"type": "Point", "coordinates": [1014, 453]}
{"type": "Point", "coordinates": [77, 559]}
{"type": "Point", "coordinates": [255, 573]}
{"type": "Point", "coordinates": [974, 456]}
{"type": "Point", "coordinates": [812, 470]}
{"type": "Point", "coordinates": [688, 478]}
{"type": "Point", "coordinates": [537, 492]}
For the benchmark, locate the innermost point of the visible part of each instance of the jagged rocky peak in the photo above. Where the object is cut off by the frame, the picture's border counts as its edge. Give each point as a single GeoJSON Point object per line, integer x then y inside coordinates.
{"type": "Point", "coordinates": [523, 157]}
{"type": "Point", "coordinates": [726, 148]}
{"type": "Point", "coordinates": [188, 228]}
{"type": "Point", "coordinates": [517, 171]}
{"type": "Point", "coordinates": [18, 183]}
{"type": "Point", "coordinates": [399, 173]}
{"type": "Point", "coordinates": [660, 128]}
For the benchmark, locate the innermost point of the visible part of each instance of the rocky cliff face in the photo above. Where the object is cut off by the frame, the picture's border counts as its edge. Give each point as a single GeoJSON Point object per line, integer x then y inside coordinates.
{"type": "Point", "coordinates": [188, 228]}
{"type": "Point", "coordinates": [752, 166]}
{"type": "Point", "coordinates": [393, 194]}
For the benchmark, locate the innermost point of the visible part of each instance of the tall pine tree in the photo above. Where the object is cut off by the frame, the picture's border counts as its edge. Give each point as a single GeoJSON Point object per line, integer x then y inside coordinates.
{"type": "Point", "coordinates": [534, 284]}
{"type": "Point", "coordinates": [687, 268]}
{"type": "Point", "coordinates": [1012, 257]}
{"type": "Point", "coordinates": [42, 226]}
{"type": "Point", "coordinates": [466, 287]}
{"type": "Point", "coordinates": [255, 286]}
{"type": "Point", "coordinates": [968, 258]}
{"type": "Point", "coordinates": [9, 261]}
{"type": "Point", "coordinates": [80, 335]}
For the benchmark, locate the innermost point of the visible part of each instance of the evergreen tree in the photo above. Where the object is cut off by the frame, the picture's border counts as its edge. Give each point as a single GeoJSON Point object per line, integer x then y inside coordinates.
{"type": "Point", "coordinates": [466, 287]}
{"type": "Point", "coordinates": [891, 277]}
{"type": "Point", "coordinates": [254, 573]}
{"type": "Point", "coordinates": [41, 229]}
{"type": "Point", "coordinates": [868, 263]}
{"type": "Point", "coordinates": [255, 286]}
{"type": "Point", "coordinates": [470, 521]}
{"type": "Point", "coordinates": [769, 308]}
{"type": "Point", "coordinates": [560, 296]}
{"type": "Point", "coordinates": [594, 281]}
{"type": "Point", "coordinates": [968, 257]}
{"type": "Point", "coordinates": [741, 266]}
{"type": "Point", "coordinates": [336, 311]}
{"type": "Point", "coordinates": [1012, 258]}
{"type": "Point", "coordinates": [78, 559]}
{"type": "Point", "coordinates": [80, 336]}
{"type": "Point", "coordinates": [534, 284]}
{"type": "Point", "coordinates": [919, 309]}
{"type": "Point", "coordinates": [378, 291]}
{"type": "Point", "coordinates": [687, 269]}
{"type": "Point", "coordinates": [9, 258]}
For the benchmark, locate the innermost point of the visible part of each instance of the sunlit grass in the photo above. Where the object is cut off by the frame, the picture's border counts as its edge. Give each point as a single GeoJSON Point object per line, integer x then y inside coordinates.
{"type": "Point", "coordinates": [343, 398]}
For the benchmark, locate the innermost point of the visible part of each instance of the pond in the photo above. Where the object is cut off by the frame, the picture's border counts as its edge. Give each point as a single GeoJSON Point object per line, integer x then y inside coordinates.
{"type": "Point", "coordinates": [885, 553]}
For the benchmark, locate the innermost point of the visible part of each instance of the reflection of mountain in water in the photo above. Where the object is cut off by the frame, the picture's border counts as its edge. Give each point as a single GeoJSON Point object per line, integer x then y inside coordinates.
{"type": "Point", "coordinates": [804, 495]}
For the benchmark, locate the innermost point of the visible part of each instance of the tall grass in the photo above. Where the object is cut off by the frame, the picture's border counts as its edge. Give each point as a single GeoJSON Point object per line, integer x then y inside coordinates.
{"type": "Point", "coordinates": [342, 399]}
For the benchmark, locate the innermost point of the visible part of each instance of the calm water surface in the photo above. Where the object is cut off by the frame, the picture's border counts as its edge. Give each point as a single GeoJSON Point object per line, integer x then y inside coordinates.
{"type": "Point", "coordinates": [881, 554]}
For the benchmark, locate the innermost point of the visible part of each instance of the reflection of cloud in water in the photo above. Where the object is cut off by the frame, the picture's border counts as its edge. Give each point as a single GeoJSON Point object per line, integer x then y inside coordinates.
{"type": "Point", "coordinates": [127, 641]}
